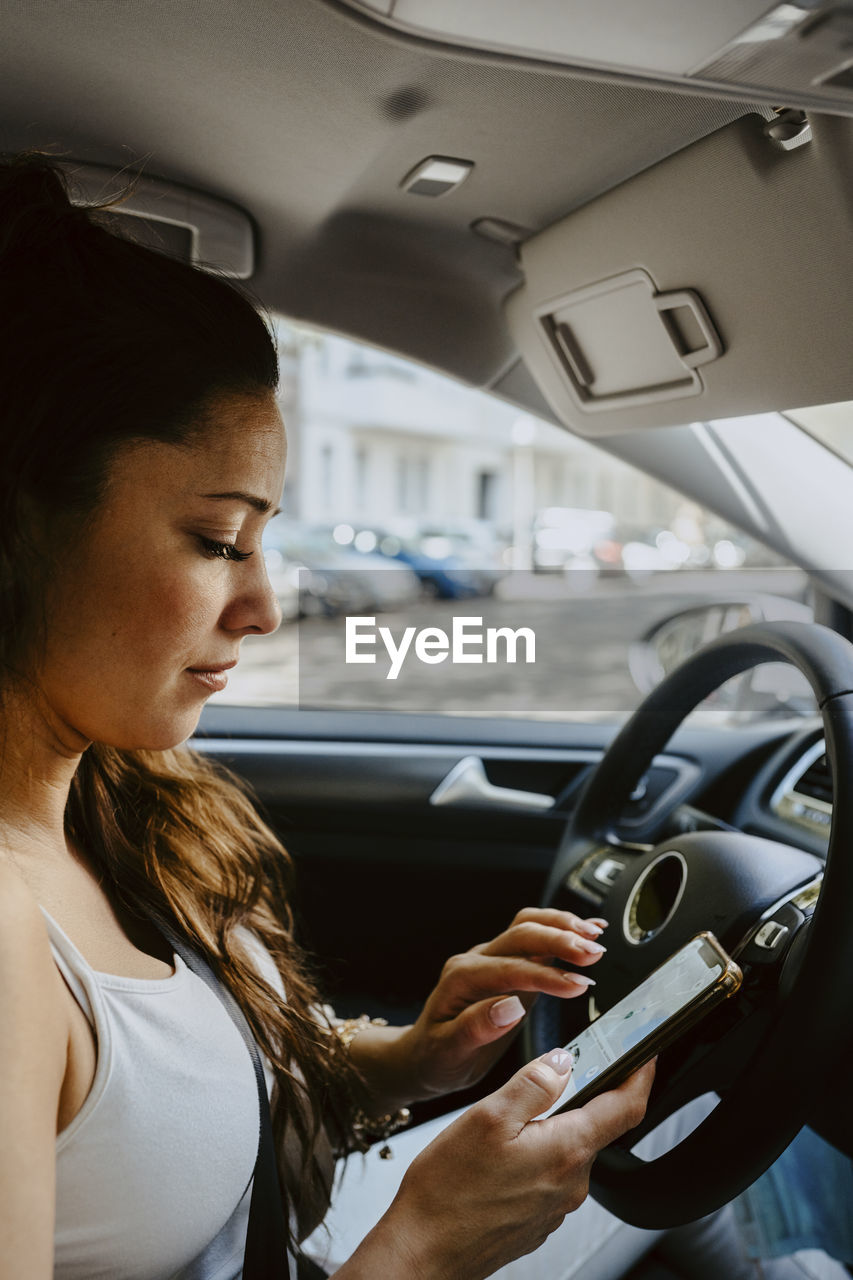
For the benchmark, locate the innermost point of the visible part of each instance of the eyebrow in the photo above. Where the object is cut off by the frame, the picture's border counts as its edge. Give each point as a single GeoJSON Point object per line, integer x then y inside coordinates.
{"type": "Point", "coordinates": [260, 504]}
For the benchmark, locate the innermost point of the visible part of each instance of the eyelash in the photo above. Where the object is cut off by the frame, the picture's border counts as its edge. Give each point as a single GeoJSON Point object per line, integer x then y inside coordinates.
{"type": "Point", "coordinates": [224, 550]}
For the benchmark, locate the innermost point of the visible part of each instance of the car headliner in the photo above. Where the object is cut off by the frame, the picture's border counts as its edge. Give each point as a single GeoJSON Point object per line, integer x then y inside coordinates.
{"type": "Point", "coordinates": [309, 118]}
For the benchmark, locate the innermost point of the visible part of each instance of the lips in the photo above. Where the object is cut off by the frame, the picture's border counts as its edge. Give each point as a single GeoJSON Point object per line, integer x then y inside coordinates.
{"type": "Point", "coordinates": [213, 677]}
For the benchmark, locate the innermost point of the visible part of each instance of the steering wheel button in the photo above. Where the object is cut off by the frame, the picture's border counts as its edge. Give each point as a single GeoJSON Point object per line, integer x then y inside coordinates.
{"type": "Point", "coordinates": [608, 870]}
{"type": "Point", "coordinates": [770, 935]}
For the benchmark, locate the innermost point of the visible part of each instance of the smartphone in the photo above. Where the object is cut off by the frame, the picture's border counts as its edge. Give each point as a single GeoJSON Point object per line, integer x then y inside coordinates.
{"type": "Point", "coordinates": [675, 996]}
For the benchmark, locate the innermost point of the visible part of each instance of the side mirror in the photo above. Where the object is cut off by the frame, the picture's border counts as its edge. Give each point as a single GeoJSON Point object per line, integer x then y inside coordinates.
{"type": "Point", "coordinates": [774, 689]}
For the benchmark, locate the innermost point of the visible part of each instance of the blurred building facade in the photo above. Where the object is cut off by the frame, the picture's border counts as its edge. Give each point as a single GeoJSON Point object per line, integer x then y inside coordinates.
{"type": "Point", "coordinates": [375, 440]}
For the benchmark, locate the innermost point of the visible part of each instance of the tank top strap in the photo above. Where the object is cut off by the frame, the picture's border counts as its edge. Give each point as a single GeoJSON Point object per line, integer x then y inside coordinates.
{"type": "Point", "coordinates": [72, 966]}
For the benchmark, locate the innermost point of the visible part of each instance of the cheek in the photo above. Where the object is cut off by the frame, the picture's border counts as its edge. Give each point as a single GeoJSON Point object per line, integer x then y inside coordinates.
{"type": "Point", "coordinates": [137, 612]}
{"type": "Point", "coordinates": [163, 613]}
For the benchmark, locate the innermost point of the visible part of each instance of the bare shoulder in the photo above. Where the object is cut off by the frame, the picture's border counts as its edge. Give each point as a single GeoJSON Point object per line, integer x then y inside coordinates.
{"type": "Point", "coordinates": [27, 969]}
{"type": "Point", "coordinates": [34, 1030]}
{"type": "Point", "coordinates": [34, 1019]}
{"type": "Point", "coordinates": [21, 919]}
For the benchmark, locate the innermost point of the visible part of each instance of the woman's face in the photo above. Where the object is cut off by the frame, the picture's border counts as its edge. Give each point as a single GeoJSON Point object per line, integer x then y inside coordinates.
{"type": "Point", "coordinates": [153, 596]}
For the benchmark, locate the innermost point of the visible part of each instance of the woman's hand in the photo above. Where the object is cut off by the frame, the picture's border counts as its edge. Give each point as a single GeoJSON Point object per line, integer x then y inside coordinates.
{"type": "Point", "coordinates": [494, 1184]}
{"type": "Point", "coordinates": [483, 994]}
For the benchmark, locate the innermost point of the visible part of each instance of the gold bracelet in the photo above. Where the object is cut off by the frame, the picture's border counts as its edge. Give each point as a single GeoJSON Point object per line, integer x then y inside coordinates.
{"type": "Point", "coordinates": [347, 1029]}
{"type": "Point", "coordinates": [366, 1128]}
{"type": "Point", "coordinates": [369, 1129]}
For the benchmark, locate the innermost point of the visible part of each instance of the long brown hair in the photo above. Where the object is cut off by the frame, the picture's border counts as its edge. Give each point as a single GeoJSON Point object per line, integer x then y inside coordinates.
{"type": "Point", "coordinates": [104, 341]}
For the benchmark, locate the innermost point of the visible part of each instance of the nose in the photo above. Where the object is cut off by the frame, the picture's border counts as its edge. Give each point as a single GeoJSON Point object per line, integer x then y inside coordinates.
{"type": "Point", "coordinates": [254, 609]}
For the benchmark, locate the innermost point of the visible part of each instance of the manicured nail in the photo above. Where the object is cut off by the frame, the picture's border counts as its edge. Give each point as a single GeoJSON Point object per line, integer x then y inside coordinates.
{"type": "Point", "coordinates": [559, 1060]}
{"type": "Point", "coordinates": [506, 1011]}
{"type": "Point", "coordinates": [595, 929]}
{"type": "Point", "coordinates": [580, 978]}
{"type": "Point", "coordinates": [591, 948]}
{"type": "Point", "coordinates": [598, 921]}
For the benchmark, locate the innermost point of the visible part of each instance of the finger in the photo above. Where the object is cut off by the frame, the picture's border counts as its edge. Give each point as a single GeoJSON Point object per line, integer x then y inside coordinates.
{"type": "Point", "coordinates": [615, 1112]}
{"type": "Point", "coordinates": [532, 938]}
{"type": "Point", "coordinates": [488, 1020]}
{"type": "Point", "coordinates": [532, 1090]}
{"type": "Point", "coordinates": [591, 928]}
{"type": "Point", "coordinates": [561, 919]}
{"type": "Point", "coordinates": [472, 976]}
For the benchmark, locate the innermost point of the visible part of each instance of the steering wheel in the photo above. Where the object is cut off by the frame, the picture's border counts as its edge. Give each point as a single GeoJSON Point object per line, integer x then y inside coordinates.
{"type": "Point", "coordinates": [768, 1050]}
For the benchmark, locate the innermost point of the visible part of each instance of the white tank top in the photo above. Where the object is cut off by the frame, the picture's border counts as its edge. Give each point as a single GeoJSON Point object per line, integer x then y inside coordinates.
{"type": "Point", "coordinates": [154, 1172]}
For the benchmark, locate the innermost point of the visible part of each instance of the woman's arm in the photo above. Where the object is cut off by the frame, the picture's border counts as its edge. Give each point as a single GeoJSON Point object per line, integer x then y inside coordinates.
{"type": "Point", "coordinates": [34, 1039]}
{"type": "Point", "coordinates": [383, 1057]}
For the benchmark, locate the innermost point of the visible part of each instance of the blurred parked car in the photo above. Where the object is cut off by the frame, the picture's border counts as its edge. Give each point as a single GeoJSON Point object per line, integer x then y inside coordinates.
{"type": "Point", "coordinates": [335, 579]}
{"type": "Point", "coordinates": [478, 551]}
{"type": "Point", "coordinates": [446, 564]}
{"type": "Point", "coordinates": [564, 537]}
{"type": "Point", "coordinates": [635, 551]}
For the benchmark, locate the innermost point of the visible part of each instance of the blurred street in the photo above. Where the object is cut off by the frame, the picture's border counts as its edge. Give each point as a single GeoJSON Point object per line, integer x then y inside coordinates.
{"type": "Point", "coordinates": [584, 626]}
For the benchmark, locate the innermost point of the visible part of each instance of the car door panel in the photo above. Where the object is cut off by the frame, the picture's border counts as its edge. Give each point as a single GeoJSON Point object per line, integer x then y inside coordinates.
{"type": "Point", "coordinates": [390, 884]}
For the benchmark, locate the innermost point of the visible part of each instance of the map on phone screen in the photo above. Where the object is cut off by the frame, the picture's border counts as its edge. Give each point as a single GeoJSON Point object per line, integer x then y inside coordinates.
{"type": "Point", "coordinates": [662, 995]}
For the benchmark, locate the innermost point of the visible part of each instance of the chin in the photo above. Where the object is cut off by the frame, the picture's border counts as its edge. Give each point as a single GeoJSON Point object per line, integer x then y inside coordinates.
{"type": "Point", "coordinates": [159, 736]}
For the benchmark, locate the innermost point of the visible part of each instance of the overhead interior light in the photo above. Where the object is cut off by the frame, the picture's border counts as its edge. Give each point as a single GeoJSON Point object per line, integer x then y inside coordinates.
{"type": "Point", "coordinates": [436, 175]}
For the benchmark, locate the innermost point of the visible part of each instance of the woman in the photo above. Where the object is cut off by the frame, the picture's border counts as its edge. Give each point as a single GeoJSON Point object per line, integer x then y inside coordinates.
{"type": "Point", "coordinates": [142, 454]}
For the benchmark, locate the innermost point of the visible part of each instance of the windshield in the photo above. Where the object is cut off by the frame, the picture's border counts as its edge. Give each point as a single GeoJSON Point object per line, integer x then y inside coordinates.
{"type": "Point", "coordinates": [440, 551]}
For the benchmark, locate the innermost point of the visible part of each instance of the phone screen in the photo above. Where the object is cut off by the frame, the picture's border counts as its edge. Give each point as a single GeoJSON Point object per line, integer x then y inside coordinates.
{"type": "Point", "coordinates": [676, 984]}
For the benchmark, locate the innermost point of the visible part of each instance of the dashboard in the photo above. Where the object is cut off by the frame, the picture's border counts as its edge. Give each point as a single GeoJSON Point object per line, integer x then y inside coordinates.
{"type": "Point", "coordinates": [784, 796]}
{"type": "Point", "coordinates": [406, 820]}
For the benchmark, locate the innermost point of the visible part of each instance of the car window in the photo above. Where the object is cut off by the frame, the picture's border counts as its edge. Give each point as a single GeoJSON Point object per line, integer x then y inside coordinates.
{"type": "Point", "coordinates": [832, 424]}
{"type": "Point", "coordinates": [439, 551]}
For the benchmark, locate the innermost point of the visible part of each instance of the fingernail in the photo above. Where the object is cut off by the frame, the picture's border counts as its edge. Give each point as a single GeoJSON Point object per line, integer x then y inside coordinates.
{"type": "Point", "coordinates": [559, 1060]}
{"type": "Point", "coordinates": [579, 978]}
{"type": "Point", "coordinates": [592, 948]}
{"type": "Point", "coordinates": [506, 1011]}
{"type": "Point", "coordinates": [598, 921]}
{"type": "Point", "coordinates": [595, 929]}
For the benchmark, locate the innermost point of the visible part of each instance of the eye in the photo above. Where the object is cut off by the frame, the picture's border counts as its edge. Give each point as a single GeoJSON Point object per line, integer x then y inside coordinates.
{"type": "Point", "coordinates": [224, 550]}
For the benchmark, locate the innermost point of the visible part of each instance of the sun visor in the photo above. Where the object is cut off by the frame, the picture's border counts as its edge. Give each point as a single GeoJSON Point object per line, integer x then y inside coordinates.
{"type": "Point", "coordinates": [717, 283]}
{"type": "Point", "coordinates": [186, 224]}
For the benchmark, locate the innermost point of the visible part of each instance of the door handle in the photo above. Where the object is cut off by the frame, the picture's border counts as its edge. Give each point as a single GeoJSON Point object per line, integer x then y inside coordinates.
{"type": "Point", "coordinates": [466, 786]}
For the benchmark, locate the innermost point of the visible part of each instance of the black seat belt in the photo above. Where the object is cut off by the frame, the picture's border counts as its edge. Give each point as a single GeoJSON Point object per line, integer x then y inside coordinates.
{"type": "Point", "coordinates": [266, 1256]}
